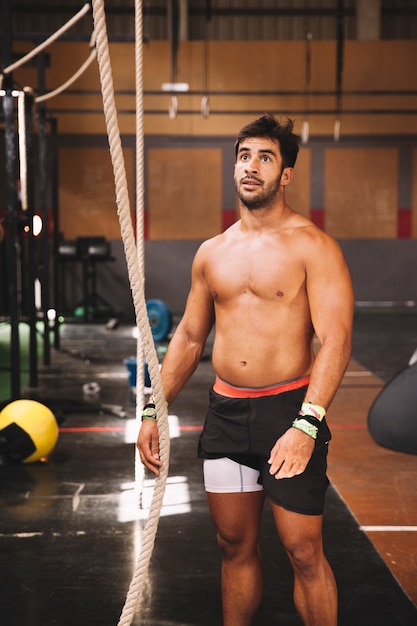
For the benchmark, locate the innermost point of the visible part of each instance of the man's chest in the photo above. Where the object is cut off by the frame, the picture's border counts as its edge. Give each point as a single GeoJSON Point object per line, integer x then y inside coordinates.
{"type": "Point", "coordinates": [261, 273]}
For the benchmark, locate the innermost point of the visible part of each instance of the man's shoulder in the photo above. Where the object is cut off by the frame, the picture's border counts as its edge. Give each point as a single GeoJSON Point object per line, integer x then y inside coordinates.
{"type": "Point", "coordinates": [220, 239]}
{"type": "Point", "coordinates": [305, 227]}
{"type": "Point", "coordinates": [209, 248]}
{"type": "Point", "coordinates": [311, 239]}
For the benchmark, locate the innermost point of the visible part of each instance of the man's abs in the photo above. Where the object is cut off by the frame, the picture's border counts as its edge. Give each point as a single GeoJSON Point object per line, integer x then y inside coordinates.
{"type": "Point", "coordinates": [251, 363]}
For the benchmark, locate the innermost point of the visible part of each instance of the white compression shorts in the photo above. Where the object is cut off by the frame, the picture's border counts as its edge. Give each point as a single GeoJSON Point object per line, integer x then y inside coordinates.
{"type": "Point", "coordinates": [226, 476]}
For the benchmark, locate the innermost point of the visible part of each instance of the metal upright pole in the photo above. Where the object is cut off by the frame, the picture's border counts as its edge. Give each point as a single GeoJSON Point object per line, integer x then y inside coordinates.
{"type": "Point", "coordinates": [12, 237]}
{"type": "Point", "coordinates": [43, 190]}
{"type": "Point", "coordinates": [31, 246]}
{"type": "Point", "coordinates": [55, 218]}
{"type": "Point", "coordinates": [12, 242]}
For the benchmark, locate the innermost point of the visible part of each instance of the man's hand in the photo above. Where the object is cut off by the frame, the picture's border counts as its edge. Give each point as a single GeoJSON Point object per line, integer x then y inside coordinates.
{"type": "Point", "coordinates": [291, 453]}
{"type": "Point", "coordinates": [148, 446]}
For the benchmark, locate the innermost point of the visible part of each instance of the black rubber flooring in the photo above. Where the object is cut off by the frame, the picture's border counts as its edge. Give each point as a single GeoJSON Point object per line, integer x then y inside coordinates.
{"type": "Point", "coordinates": [70, 528]}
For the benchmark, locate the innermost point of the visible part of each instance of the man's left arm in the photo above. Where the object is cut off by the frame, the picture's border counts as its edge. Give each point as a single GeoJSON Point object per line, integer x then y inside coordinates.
{"type": "Point", "coordinates": [331, 302]}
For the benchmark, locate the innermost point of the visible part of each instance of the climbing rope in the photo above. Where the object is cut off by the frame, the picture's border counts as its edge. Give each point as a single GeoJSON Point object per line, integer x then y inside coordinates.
{"type": "Point", "coordinates": [140, 185]}
{"type": "Point", "coordinates": [74, 77]}
{"type": "Point", "coordinates": [134, 253]}
{"type": "Point", "coordinates": [136, 283]}
{"type": "Point", "coordinates": [22, 94]}
{"type": "Point", "coordinates": [47, 42]}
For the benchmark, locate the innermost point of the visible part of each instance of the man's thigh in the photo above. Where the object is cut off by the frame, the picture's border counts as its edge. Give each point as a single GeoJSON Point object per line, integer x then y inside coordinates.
{"type": "Point", "coordinates": [237, 516]}
{"type": "Point", "coordinates": [235, 499]}
{"type": "Point", "coordinates": [296, 529]}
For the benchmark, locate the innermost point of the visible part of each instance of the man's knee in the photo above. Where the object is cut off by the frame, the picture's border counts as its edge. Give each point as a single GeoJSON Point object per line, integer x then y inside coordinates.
{"type": "Point", "coordinates": [305, 555]}
{"type": "Point", "coordinates": [226, 546]}
{"type": "Point", "coordinates": [236, 546]}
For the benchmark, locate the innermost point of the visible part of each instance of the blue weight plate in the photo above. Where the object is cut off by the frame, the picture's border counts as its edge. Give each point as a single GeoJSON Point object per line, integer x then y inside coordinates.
{"type": "Point", "coordinates": [159, 319]}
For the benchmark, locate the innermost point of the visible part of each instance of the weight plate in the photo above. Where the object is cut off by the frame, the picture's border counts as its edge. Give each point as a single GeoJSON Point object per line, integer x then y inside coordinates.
{"type": "Point", "coordinates": [159, 319]}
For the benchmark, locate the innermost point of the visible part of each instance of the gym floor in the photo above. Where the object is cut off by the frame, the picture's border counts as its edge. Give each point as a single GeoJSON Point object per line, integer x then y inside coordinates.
{"type": "Point", "coordinates": [70, 528]}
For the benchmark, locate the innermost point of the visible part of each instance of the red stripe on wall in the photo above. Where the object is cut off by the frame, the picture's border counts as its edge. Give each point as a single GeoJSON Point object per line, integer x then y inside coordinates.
{"type": "Point", "coordinates": [229, 217]}
{"type": "Point", "coordinates": [317, 217]}
{"type": "Point", "coordinates": [405, 218]}
{"type": "Point", "coordinates": [145, 224]}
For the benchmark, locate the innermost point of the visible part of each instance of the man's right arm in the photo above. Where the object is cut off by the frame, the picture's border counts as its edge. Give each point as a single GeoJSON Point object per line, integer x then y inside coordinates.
{"type": "Point", "coordinates": [182, 357]}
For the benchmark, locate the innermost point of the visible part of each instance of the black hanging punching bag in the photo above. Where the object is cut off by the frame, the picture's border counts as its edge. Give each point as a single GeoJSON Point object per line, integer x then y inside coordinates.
{"type": "Point", "coordinates": [392, 418]}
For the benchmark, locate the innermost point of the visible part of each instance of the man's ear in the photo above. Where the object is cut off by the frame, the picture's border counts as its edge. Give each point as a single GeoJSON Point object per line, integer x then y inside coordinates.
{"type": "Point", "coordinates": [286, 176]}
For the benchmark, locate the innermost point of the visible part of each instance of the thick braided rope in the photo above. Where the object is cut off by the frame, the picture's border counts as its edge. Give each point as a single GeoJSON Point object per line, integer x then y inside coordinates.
{"type": "Point", "coordinates": [47, 42]}
{"type": "Point", "coordinates": [140, 169]}
{"type": "Point", "coordinates": [74, 77]}
{"type": "Point", "coordinates": [135, 277]}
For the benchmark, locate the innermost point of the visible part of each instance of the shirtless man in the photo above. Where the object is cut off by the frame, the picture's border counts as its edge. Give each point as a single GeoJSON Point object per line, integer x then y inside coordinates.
{"type": "Point", "coordinates": [270, 282]}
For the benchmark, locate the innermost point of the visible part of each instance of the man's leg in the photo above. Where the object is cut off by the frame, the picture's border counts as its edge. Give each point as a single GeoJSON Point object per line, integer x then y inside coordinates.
{"type": "Point", "coordinates": [237, 519]}
{"type": "Point", "coordinates": [315, 592]}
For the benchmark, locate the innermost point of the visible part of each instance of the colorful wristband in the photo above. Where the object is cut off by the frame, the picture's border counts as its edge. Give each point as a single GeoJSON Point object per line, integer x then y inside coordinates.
{"type": "Point", "coordinates": [306, 427]}
{"type": "Point", "coordinates": [307, 408]}
{"type": "Point", "coordinates": [149, 413]}
{"type": "Point", "coordinates": [149, 410]}
{"type": "Point", "coordinates": [153, 401]}
{"type": "Point", "coordinates": [311, 420]}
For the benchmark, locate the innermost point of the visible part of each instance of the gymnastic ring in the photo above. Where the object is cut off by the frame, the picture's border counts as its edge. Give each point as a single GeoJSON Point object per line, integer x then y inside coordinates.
{"type": "Point", "coordinates": [205, 107]}
{"type": "Point", "coordinates": [173, 107]}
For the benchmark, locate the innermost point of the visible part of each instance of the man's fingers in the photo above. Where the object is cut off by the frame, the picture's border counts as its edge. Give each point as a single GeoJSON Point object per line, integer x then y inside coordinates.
{"type": "Point", "coordinates": [148, 446]}
{"type": "Point", "coordinates": [276, 464]}
{"type": "Point", "coordinates": [290, 469]}
{"type": "Point", "coordinates": [290, 455]}
{"type": "Point", "coordinates": [150, 462]}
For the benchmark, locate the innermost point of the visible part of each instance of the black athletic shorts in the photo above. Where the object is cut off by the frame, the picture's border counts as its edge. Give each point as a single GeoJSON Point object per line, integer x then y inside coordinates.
{"type": "Point", "coordinates": [245, 430]}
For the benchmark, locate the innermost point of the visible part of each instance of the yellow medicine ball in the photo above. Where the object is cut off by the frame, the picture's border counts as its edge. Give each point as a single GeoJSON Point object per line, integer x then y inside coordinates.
{"type": "Point", "coordinates": [28, 431]}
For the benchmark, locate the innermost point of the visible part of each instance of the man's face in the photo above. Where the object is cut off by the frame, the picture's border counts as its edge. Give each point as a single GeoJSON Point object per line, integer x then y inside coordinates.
{"type": "Point", "coordinates": [258, 172]}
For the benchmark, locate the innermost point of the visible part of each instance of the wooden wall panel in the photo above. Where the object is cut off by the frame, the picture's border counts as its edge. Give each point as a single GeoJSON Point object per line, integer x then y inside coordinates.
{"type": "Point", "coordinates": [374, 64]}
{"type": "Point", "coordinates": [87, 192]}
{"type": "Point", "coordinates": [297, 193]}
{"type": "Point", "coordinates": [241, 85]}
{"type": "Point", "coordinates": [184, 192]}
{"type": "Point", "coordinates": [361, 192]}
{"type": "Point", "coordinates": [360, 186]}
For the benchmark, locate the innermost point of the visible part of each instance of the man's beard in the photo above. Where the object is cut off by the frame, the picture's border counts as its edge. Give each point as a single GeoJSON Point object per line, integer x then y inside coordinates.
{"type": "Point", "coordinates": [263, 198]}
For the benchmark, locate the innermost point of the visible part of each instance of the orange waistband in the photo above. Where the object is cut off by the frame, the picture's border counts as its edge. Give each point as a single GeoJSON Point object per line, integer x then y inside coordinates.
{"type": "Point", "coordinates": [225, 389]}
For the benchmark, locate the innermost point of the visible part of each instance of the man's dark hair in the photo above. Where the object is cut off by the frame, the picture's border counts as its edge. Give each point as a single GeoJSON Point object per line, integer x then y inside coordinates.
{"type": "Point", "coordinates": [269, 126]}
